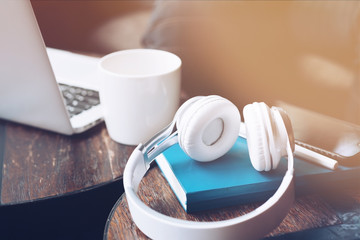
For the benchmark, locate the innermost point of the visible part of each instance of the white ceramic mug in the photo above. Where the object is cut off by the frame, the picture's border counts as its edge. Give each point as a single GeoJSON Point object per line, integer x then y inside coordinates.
{"type": "Point", "coordinates": [139, 92]}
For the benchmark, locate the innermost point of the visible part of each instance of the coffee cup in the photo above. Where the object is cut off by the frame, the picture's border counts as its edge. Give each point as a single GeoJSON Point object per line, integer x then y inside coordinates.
{"type": "Point", "coordinates": [139, 92]}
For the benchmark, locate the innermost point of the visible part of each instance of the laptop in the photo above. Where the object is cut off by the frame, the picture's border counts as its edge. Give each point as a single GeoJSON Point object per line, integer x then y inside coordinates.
{"type": "Point", "coordinates": [42, 87]}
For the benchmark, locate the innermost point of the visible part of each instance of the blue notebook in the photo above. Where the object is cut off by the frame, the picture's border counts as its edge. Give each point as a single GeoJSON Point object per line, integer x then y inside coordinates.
{"type": "Point", "coordinates": [232, 180]}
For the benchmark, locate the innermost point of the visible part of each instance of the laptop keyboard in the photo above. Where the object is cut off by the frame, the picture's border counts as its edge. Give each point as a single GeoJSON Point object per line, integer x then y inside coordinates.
{"type": "Point", "coordinates": [78, 99]}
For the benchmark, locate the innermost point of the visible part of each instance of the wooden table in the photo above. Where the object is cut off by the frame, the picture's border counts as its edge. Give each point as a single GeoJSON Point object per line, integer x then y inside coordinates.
{"type": "Point", "coordinates": [61, 187]}
{"type": "Point", "coordinates": [55, 186]}
{"type": "Point", "coordinates": [330, 213]}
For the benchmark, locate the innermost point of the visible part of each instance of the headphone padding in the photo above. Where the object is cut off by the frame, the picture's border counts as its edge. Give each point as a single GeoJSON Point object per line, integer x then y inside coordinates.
{"type": "Point", "coordinates": [183, 108]}
{"type": "Point", "coordinates": [196, 120]}
{"type": "Point", "coordinates": [256, 138]}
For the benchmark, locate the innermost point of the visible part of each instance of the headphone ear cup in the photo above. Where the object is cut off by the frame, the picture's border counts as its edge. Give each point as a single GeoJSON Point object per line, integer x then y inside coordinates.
{"type": "Point", "coordinates": [208, 128]}
{"type": "Point", "coordinates": [284, 134]}
{"type": "Point", "coordinates": [256, 138]}
{"type": "Point", "coordinates": [187, 115]}
{"type": "Point", "coordinates": [285, 128]}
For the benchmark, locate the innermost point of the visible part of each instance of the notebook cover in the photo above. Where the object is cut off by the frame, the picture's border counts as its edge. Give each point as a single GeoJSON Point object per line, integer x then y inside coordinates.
{"type": "Point", "coordinates": [232, 180]}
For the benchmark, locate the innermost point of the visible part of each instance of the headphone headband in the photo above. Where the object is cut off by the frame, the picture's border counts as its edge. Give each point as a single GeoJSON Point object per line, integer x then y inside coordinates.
{"type": "Point", "coordinates": [253, 225]}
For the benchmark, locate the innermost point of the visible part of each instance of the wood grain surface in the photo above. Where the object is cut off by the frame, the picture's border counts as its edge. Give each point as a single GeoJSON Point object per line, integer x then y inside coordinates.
{"type": "Point", "coordinates": [38, 164]}
{"type": "Point", "coordinates": [309, 211]}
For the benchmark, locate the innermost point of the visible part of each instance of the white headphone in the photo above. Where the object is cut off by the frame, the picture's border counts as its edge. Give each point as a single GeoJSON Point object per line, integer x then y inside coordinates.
{"type": "Point", "coordinates": [207, 127]}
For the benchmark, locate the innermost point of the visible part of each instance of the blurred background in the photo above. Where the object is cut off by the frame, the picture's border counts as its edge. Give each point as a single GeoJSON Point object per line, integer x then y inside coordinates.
{"type": "Point", "coordinates": [306, 53]}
